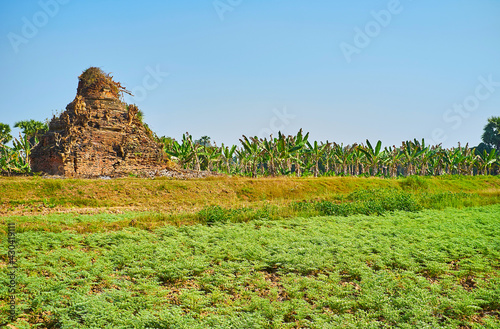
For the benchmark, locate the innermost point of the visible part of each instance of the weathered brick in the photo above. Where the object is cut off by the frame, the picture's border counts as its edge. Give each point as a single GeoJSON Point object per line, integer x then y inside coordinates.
{"type": "Point", "coordinates": [97, 135]}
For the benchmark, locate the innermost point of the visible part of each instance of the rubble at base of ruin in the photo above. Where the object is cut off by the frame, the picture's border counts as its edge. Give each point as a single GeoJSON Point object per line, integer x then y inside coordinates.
{"type": "Point", "coordinates": [98, 135]}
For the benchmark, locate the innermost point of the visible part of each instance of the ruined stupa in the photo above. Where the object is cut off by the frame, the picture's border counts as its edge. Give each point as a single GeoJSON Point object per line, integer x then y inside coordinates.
{"type": "Point", "coordinates": [98, 135]}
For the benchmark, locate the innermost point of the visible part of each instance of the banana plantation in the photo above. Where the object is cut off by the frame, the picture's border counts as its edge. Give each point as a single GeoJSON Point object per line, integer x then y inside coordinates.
{"type": "Point", "coordinates": [16, 159]}
{"type": "Point", "coordinates": [296, 155]}
{"type": "Point", "coordinates": [292, 155]}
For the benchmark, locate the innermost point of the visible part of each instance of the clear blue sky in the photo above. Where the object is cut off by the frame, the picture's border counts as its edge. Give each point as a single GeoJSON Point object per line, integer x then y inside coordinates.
{"type": "Point", "coordinates": [232, 65]}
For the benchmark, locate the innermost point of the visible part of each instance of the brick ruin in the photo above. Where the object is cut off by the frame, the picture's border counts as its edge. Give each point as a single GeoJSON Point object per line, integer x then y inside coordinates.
{"type": "Point", "coordinates": [98, 135]}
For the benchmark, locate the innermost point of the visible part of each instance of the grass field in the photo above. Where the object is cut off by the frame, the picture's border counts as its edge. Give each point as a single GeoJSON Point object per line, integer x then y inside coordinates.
{"type": "Point", "coordinates": [357, 253]}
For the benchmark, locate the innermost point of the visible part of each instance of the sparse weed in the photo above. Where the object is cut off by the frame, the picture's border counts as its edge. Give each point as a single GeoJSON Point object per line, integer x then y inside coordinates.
{"type": "Point", "coordinates": [214, 214]}
{"type": "Point", "coordinates": [414, 183]}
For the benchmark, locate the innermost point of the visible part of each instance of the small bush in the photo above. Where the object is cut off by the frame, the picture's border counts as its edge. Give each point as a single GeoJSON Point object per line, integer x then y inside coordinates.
{"type": "Point", "coordinates": [329, 208]}
{"type": "Point", "coordinates": [369, 202]}
{"type": "Point", "coordinates": [214, 214]}
{"type": "Point", "coordinates": [414, 183]}
{"type": "Point", "coordinates": [449, 199]}
{"type": "Point", "coordinates": [301, 205]}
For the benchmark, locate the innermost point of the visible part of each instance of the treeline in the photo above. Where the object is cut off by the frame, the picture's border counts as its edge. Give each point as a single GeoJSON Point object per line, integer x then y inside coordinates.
{"type": "Point", "coordinates": [296, 155]}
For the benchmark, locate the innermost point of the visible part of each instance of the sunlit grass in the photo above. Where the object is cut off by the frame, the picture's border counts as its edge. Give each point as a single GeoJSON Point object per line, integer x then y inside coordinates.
{"type": "Point", "coordinates": [27, 195]}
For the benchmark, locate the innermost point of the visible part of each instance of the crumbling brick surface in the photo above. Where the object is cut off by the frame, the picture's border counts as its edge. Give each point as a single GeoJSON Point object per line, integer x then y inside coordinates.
{"type": "Point", "coordinates": [97, 135]}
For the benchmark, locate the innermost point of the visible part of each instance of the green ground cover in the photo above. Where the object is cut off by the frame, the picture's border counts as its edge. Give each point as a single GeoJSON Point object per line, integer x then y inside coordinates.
{"type": "Point", "coordinates": [403, 269]}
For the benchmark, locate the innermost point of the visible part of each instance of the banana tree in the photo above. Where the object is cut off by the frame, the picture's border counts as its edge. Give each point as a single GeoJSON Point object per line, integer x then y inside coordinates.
{"type": "Point", "coordinates": [357, 160]}
{"type": "Point", "coordinates": [195, 149]}
{"type": "Point", "coordinates": [411, 152]}
{"type": "Point", "coordinates": [6, 155]}
{"type": "Point", "coordinates": [253, 148]}
{"type": "Point", "coordinates": [269, 148]}
{"type": "Point", "coordinates": [436, 162]}
{"type": "Point", "coordinates": [469, 161]}
{"type": "Point", "coordinates": [296, 147]}
{"type": "Point", "coordinates": [373, 155]}
{"type": "Point", "coordinates": [327, 157]}
{"type": "Point", "coordinates": [17, 158]}
{"type": "Point", "coordinates": [453, 159]}
{"type": "Point", "coordinates": [226, 155]}
{"type": "Point", "coordinates": [393, 160]}
{"type": "Point", "coordinates": [343, 156]}
{"type": "Point", "coordinates": [211, 155]}
{"type": "Point", "coordinates": [283, 154]}
{"type": "Point", "coordinates": [421, 156]}
{"type": "Point", "coordinates": [316, 152]}
{"type": "Point", "coordinates": [182, 152]}
{"type": "Point", "coordinates": [485, 160]}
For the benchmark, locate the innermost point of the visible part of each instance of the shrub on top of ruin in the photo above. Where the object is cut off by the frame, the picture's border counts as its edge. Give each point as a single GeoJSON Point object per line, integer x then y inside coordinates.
{"type": "Point", "coordinates": [94, 80]}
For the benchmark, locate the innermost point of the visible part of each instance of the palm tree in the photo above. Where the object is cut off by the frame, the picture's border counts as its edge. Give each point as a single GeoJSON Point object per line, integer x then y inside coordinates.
{"type": "Point", "coordinates": [203, 141]}
{"type": "Point", "coordinates": [491, 135]}
{"type": "Point", "coordinates": [32, 129]}
{"type": "Point", "coordinates": [5, 135]}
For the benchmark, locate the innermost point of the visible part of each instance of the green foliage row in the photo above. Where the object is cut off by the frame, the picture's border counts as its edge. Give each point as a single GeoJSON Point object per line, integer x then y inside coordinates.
{"type": "Point", "coordinates": [287, 155]}
{"type": "Point", "coordinates": [295, 155]}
